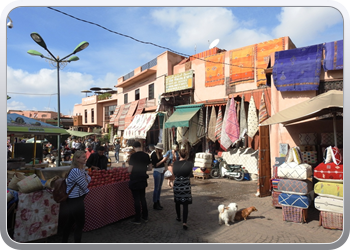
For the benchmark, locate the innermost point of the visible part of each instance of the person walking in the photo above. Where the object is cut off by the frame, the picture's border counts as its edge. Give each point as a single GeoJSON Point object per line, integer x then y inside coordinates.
{"type": "Point", "coordinates": [77, 179]}
{"type": "Point", "coordinates": [116, 150]}
{"type": "Point", "coordinates": [182, 170]}
{"type": "Point", "coordinates": [158, 174]}
{"type": "Point", "coordinates": [137, 168]}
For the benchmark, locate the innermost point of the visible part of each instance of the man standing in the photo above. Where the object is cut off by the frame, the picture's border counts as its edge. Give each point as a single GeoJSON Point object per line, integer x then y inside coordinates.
{"type": "Point", "coordinates": [138, 164]}
{"type": "Point", "coordinates": [89, 151]}
{"type": "Point", "coordinates": [116, 151]}
{"type": "Point", "coordinates": [97, 160]}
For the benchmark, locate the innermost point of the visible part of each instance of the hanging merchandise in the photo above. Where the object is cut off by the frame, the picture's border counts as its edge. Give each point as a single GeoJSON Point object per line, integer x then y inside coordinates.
{"type": "Point", "coordinates": [252, 118]}
{"type": "Point", "coordinates": [242, 120]}
{"type": "Point", "coordinates": [200, 128]}
{"type": "Point", "coordinates": [263, 115]}
{"type": "Point", "coordinates": [212, 125]}
{"type": "Point", "coordinates": [218, 126]}
{"type": "Point", "coordinates": [225, 142]}
{"type": "Point", "coordinates": [232, 126]}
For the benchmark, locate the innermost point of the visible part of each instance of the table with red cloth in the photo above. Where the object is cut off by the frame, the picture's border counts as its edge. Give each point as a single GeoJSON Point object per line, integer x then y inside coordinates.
{"type": "Point", "coordinates": [108, 204]}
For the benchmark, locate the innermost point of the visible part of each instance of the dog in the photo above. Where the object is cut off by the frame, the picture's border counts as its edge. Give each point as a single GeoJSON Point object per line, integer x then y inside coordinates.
{"type": "Point", "coordinates": [227, 214]}
{"type": "Point", "coordinates": [244, 213]}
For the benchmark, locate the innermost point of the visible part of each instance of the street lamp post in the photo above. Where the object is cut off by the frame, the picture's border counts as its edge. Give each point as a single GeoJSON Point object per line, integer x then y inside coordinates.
{"type": "Point", "coordinates": [39, 40]}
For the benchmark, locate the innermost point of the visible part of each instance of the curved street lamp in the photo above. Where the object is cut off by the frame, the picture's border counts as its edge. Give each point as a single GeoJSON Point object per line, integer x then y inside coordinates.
{"type": "Point", "coordinates": [39, 40]}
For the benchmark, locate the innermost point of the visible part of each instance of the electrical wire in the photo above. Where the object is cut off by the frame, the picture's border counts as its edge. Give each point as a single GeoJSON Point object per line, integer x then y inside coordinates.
{"type": "Point", "coordinates": [15, 93]}
{"type": "Point", "coordinates": [148, 43]}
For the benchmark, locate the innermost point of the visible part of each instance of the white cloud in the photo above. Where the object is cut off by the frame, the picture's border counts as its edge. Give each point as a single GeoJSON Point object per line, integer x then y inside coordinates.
{"type": "Point", "coordinates": [14, 105]}
{"type": "Point", "coordinates": [198, 25]}
{"type": "Point", "coordinates": [302, 24]}
{"type": "Point", "coordinates": [45, 82]}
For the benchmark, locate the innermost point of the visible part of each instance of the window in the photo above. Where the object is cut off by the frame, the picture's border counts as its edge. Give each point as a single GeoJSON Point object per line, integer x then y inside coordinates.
{"type": "Point", "coordinates": [125, 98]}
{"type": "Point", "coordinates": [92, 116]}
{"type": "Point", "coordinates": [112, 109]}
{"type": "Point", "coordinates": [107, 114]}
{"type": "Point", "coordinates": [137, 94]}
{"type": "Point", "coordinates": [151, 91]}
{"type": "Point", "coordinates": [43, 116]}
{"type": "Point", "coordinates": [85, 115]}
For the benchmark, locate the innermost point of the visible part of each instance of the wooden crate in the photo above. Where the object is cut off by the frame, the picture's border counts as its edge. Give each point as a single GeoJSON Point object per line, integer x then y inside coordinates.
{"type": "Point", "coordinates": [200, 175]}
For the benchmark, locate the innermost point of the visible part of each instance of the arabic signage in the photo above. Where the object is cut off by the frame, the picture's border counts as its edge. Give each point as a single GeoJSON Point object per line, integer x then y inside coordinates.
{"type": "Point", "coordinates": [179, 81]}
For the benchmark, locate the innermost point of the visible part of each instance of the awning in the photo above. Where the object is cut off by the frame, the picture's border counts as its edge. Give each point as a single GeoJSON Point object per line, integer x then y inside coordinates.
{"type": "Point", "coordinates": [326, 103]}
{"type": "Point", "coordinates": [141, 106]}
{"type": "Point", "coordinates": [182, 115]}
{"type": "Point", "coordinates": [21, 124]}
{"type": "Point", "coordinates": [130, 115]}
{"type": "Point", "coordinates": [116, 120]}
{"type": "Point", "coordinates": [121, 120]}
{"type": "Point", "coordinates": [116, 111]}
{"type": "Point", "coordinates": [140, 125]}
{"type": "Point", "coordinates": [79, 133]}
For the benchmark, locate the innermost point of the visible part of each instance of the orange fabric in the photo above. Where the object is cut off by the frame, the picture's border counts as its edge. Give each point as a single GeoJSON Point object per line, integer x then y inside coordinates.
{"type": "Point", "coordinates": [263, 52]}
{"type": "Point", "coordinates": [243, 59]}
{"type": "Point", "coordinates": [203, 54]}
{"type": "Point", "coordinates": [214, 70]}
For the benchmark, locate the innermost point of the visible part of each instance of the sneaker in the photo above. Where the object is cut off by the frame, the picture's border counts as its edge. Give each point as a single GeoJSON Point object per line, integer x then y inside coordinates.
{"type": "Point", "coordinates": [136, 222]}
{"type": "Point", "coordinates": [145, 219]}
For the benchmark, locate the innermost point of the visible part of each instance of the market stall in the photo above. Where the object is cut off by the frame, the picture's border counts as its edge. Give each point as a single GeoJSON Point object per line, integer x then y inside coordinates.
{"type": "Point", "coordinates": [319, 178]}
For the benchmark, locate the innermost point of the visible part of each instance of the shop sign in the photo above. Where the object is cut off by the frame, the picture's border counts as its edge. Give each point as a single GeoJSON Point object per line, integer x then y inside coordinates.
{"type": "Point", "coordinates": [179, 81]}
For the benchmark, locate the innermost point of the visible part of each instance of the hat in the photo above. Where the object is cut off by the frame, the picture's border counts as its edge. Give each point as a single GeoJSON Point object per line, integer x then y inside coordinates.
{"type": "Point", "coordinates": [159, 146]}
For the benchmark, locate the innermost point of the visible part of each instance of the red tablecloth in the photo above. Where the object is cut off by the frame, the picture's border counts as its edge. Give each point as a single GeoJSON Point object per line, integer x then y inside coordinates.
{"type": "Point", "coordinates": [108, 204]}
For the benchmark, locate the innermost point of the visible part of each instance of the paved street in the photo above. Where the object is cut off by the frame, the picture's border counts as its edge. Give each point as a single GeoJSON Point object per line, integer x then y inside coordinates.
{"type": "Point", "coordinates": [264, 226]}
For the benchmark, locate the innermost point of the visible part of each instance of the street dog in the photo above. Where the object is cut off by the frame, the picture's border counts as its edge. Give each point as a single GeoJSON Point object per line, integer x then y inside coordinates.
{"type": "Point", "coordinates": [244, 213]}
{"type": "Point", "coordinates": [227, 214]}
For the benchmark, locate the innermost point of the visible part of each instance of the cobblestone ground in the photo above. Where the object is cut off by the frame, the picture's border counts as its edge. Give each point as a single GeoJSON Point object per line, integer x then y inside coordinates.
{"type": "Point", "coordinates": [264, 226]}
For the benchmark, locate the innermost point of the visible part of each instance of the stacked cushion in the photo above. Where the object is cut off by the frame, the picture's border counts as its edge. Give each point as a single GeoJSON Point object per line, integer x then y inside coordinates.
{"type": "Point", "coordinates": [329, 172]}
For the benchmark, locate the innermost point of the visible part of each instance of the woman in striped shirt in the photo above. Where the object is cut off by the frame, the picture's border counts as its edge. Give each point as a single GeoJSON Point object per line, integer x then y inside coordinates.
{"type": "Point", "coordinates": [75, 202]}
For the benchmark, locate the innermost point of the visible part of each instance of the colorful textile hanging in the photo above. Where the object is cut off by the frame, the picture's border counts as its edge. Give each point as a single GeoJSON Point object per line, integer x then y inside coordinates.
{"type": "Point", "coordinates": [242, 119]}
{"type": "Point", "coordinates": [263, 115]}
{"type": "Point", "coordinates": [263, 52]}
{"type": "Point", "coordinates": [241, 65]}
{"type": "Point", "coordinates": [218, 125]}
{"type": "Point", "coordinates": [225, 140]}
{"type": "Point", "coordinates": [212, 125]}
{"type": "Point", "coordinates": [214, 70]}
{"type": "Point", "coordinates": [252, 118]}
{"type": "Point", "coordinates": [231, 123]}
{"type": "Point", "coordinates": [298, 69]}
{"type": "Point", "coordinates": [200, 126]}
{"type": "Point", "coordinates": [333, 55]}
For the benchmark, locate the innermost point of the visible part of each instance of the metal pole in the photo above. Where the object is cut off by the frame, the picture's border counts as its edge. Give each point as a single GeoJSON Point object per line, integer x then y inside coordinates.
{"type": "Point", "coordinates": [335, 128]}
{"type": "Point", "coordinates": [58, 115]}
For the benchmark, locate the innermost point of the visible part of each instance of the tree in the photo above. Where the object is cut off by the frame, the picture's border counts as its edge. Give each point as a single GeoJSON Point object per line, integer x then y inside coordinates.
{"type": "Point", "coordinates": [8, 97]}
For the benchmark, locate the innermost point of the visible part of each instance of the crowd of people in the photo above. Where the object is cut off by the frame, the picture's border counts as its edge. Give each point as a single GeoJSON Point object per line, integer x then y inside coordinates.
{"type": "Point", "coordinates": [139, 163]}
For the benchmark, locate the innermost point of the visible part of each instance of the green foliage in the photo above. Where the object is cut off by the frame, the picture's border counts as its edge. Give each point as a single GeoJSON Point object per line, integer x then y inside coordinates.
{"type": "Point", "coordinates": [8, 97]}
{"type": "Point", "coordinates": [104, 96]}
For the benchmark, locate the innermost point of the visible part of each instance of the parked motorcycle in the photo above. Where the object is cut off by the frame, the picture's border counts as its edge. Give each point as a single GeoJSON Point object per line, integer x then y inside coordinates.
{"type": "Point", "coordinates": [222, 169]}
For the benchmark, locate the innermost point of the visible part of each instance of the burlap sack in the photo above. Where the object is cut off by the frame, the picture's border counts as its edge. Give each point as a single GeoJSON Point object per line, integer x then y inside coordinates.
{"type": "Point", "coordinates": [17, 177]}
{"type": "Point", "coordinates": [30, 184]}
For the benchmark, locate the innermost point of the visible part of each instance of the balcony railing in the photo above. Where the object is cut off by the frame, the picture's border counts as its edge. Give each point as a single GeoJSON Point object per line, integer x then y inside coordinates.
{"type": "Point", "coordinates": [149, 65]}
{"type": "Point", "coordinates": [129, 75]}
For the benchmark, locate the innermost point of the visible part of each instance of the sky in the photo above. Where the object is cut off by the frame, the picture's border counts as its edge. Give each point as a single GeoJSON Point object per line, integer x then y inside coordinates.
{"type": "Point", "coordinates": [113, 52]}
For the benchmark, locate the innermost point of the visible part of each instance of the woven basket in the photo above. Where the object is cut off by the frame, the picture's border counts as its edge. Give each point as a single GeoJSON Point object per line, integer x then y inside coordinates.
{"type": "Point", "coordinates": [30, 184]}
{"type": "Point", "coordinates": [17, 177]}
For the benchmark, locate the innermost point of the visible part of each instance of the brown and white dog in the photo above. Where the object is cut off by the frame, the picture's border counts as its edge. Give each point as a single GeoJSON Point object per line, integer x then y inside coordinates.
{"type": "Point", "coordinates": [227, 214]}
{"type": "Point", "coordinates": [244, 213]}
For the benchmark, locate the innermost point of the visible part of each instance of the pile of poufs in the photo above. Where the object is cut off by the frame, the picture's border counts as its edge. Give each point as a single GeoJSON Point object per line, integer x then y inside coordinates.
{"type": "Point", "coordinates": [294, 187]}
{"type": "Point", "coordinates": [202, 164]}
{"type": "Point", "coordinates": [329, 189]}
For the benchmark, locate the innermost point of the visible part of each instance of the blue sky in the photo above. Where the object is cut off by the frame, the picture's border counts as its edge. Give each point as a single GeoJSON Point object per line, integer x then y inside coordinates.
{"type": "Point", "coordinates": [32, 83]}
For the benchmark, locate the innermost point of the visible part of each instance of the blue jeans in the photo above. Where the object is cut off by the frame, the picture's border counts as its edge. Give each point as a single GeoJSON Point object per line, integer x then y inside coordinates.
{"type": "Point", "coordinates": [116, 155]}
{"type": "Point", "coordinates": [158, 182]}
